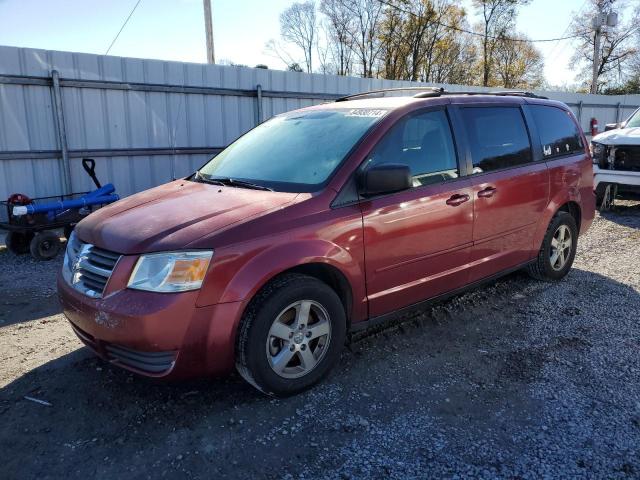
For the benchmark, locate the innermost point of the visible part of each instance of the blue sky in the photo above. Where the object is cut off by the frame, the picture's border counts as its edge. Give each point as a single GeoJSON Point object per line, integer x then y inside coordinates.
{"type": "Point", "coordinates": [174, 29]}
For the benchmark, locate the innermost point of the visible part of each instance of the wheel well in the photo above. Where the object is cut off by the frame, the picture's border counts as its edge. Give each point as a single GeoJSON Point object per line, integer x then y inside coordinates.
{"type": "Point", "coordinates": [574, 209]}
{"type": "Point", "coordinates": [332, 277]}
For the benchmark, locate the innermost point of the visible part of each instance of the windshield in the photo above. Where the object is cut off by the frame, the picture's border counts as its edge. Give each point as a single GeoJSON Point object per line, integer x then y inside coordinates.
{"type": "Point", "coordinates": [634, 120]}
{"type": "Point", "coordinates": [295, 152]}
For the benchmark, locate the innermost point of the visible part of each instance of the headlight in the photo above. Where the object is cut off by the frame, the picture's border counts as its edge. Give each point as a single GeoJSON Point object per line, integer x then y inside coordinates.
{"type": "Point", "coordinates": [170, 272]}
{"type": "Point", "coordinates": [597, 151]}
{"type": "Point", "coordinates": [70, 255]}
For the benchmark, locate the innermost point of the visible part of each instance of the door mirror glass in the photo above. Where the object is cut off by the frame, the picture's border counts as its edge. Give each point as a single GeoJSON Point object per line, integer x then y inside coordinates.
{"type": "Point", "coordinates": [612, 126]}
{"type": "Point", "coordinates": [385, 178]}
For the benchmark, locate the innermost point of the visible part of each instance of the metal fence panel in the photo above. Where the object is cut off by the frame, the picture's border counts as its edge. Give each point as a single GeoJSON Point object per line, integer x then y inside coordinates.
{"type": "Point", "coordinates": [147, 121]}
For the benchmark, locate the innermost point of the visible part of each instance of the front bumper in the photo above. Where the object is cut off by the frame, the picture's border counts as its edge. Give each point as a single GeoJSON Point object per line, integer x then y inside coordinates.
{"type": "Point", "coordinates": [619, 177]}
{"type": "Point", "coordinates": [155, 334]}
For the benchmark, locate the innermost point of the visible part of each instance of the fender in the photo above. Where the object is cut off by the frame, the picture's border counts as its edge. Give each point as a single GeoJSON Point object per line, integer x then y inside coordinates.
{"type": "Point", "coordinates": [238, 277]}
{"type": "Point", "coordinates": [560, 197]}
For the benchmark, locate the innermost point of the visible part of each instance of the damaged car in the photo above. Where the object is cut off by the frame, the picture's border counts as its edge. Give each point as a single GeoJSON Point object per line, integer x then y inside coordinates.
{"type": "Point", "coordinates": [616, 158]}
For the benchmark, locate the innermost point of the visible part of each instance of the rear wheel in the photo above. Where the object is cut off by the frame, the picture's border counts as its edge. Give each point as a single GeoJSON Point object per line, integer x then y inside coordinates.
{"type": "Point", "coordinates": [558, 249]}
{"type": "Point", "coordinates": [18, 242]}
{"type": "Point", "coordinates": [291, 335]}
{"type": "Point", "coordinates": [45, 245]}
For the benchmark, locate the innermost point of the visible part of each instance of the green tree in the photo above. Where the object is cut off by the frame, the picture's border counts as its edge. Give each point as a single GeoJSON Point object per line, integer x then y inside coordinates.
{"type": "Point", "coordinates": [498, 20]}
{"type": "Point", "coordinates": [517, 64]}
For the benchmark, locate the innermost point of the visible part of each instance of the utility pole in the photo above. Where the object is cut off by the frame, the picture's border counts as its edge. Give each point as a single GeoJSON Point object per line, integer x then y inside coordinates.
{"type": "Point", "coordinates": [208, 27]}
{"type": "Point", "coordinates": [598, 22]}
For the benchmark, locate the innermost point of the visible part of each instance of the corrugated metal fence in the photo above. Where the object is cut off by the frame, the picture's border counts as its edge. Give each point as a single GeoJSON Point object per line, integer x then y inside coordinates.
{"type": "Point", "coordinates": [146, 121]}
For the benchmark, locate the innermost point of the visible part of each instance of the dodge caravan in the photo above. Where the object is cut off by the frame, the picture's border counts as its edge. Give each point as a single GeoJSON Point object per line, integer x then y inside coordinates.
{"type": "Point", "coordinates": [323, 221]}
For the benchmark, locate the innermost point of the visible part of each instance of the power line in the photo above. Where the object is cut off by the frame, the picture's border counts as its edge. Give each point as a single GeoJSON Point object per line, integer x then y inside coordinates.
{"type": "Point", "coordinates": [470, 32]}
{"type": "Point", "coordinates": [552, 56]}
{"type": "Point", "coordinates": [579, 13]}
{"type": "Point", "coordinates": [122, 27]}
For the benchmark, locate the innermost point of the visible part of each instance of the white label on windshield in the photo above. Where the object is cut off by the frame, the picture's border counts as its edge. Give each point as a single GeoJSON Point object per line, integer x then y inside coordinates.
{"type": "Point", "coordinates": [365, 112]}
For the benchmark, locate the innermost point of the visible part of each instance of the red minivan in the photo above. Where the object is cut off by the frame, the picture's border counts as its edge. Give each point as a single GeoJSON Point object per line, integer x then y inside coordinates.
{"type": "Point", "coordinates": [327, 220]}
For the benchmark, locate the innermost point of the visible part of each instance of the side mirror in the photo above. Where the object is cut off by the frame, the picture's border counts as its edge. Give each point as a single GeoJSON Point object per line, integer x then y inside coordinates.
{"type": "Point", "coordinates": [611, 126]}
{"type": "Point", "coordinates": [387, 178]}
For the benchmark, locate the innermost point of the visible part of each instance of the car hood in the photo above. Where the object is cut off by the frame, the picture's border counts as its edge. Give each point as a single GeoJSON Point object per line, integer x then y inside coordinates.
{"type": "Point", "coordinates": [173, 215]}
{"type": "Point", "coordinates": [619, 136]}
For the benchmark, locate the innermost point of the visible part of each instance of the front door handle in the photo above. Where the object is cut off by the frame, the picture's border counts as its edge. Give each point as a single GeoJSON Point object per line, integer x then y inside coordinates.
{"type": "Point", "coordinates": [487, 192]}
{"type": "Point", "coordinates": [457, 199]}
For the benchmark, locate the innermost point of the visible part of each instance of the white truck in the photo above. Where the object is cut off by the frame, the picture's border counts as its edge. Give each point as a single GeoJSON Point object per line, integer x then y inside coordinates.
{"type": "Point", "coordinates": [616, 158]}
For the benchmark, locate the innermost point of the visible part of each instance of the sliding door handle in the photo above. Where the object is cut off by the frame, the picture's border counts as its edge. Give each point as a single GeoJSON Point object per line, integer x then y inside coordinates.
{"type": "Point", "coordinates": [487, 192]}
{"type": "Point", "coordinates": [457, 199]}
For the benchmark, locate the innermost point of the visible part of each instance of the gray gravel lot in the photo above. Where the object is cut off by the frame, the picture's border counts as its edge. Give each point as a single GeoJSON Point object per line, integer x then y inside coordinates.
{"type": "Point", "coordinates": [520, 379]}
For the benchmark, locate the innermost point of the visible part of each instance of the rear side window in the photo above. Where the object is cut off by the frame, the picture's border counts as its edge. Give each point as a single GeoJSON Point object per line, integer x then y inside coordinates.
{"type": "Point", "coordinates": [424, 143]}
{"type": "Point", "coordinates": [498, 138]}
{"type": "Point", "coordinates": [559, 134]}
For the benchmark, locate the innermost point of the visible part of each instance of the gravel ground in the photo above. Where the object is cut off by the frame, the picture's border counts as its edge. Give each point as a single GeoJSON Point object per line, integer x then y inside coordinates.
{"type": "Point", "coordinates": [520, 379]}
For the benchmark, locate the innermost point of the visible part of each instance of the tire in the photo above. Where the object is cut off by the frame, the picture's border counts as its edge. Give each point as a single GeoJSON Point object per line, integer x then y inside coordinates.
{"type": "Point", "coordinates": [545, 267]}
{"type": "Point", "coordinates": [312, 347]}
{"type": "Point", "coordinates": [18, 242]}
{"type": "Point", "coordinates": [45, 245]}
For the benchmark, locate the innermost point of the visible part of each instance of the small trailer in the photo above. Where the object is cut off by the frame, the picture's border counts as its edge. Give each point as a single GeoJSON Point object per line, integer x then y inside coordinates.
{"type": "Point", "coordinates": [30, 221]}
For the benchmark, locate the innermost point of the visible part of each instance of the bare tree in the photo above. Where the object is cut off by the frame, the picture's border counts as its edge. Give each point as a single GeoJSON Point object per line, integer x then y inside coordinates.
{"type": "Point", "coordinates": [498, 17]}
{"type": "Point", "coordinates": [620, 46]}
{"type": "Point", "coordinates": [298, 26]}
{"type": "Point", "coordinates": [339, 27]}
{"type": "Point", "coordinates": [277, 50]}
{"type": "Point", "coordinates": [367, 16]}
{"type": "Point", "coordinates": [323, 48]}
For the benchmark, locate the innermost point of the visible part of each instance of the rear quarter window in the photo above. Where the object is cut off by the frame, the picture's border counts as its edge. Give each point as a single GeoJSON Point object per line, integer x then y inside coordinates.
{"type": "Point", "coordinates": [559, 134]}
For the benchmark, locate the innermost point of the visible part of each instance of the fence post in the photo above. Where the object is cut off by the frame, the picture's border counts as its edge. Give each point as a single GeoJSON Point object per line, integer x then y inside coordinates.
{"type": "Point", "coordinates": [580, 112]}
{"type": "Point", "coordinates": [62, 131]}
{"type": "Point", "coordinates": [618, 113]}
{"type": "Point", "coordinates": [258, 104]}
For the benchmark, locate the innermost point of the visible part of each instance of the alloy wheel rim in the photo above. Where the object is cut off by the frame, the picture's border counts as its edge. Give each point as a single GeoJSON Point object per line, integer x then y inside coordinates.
{"type": "Point", "coordinates": [561, 244]}
{"type": "Point", "coordinates": [298, 339]}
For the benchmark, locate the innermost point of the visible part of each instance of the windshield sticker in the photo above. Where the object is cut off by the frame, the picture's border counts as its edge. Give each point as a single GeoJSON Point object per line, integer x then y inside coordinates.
{"type": "Point", "coordinates": [365, 112]}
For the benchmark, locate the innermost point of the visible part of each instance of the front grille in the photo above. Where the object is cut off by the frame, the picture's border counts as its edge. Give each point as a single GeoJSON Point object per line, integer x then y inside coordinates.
{"type": "Point", "coordinates": [627, 158]}
{"type": "Point", "coordinates": [149, 362]}
{"type": "Point", "coordinates": [88, 268]}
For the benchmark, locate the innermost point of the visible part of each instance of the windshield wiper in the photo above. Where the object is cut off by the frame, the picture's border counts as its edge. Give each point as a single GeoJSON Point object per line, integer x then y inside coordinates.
{"type": "Point", "coordinates": [233, 182]}
{"type": "Point", "coordinates": [228, 181]}
{"type": "Point", "coordinates": [199, 177]}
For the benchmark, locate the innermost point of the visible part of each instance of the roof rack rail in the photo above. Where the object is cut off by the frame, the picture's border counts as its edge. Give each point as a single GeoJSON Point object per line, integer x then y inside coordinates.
{"type": "Point", "coordinates": [431, 90]}
{"type": "Point", "coordinates": [503, 93]}
{"type": "Point", "coordinates": [427, 92]}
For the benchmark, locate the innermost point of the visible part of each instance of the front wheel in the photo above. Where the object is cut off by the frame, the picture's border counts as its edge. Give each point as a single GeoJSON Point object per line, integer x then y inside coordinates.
{"type": "Point", "coordinates": [558, 249]}
{"type": "Point", "coordinates": [291, 335]}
